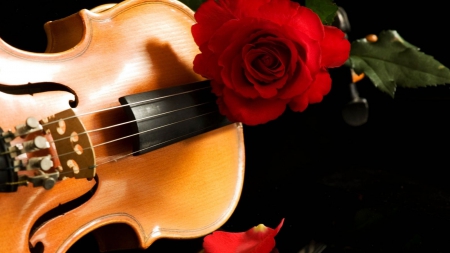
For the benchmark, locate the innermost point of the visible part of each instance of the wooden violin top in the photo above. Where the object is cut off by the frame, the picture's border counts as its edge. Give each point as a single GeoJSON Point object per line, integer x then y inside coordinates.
{"type": "Point", "coordinates": [184, 190]}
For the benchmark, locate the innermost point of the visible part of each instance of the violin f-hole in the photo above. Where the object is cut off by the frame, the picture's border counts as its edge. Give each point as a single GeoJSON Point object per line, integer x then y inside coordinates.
{"type": "Point", "coordinates": [33, 88]}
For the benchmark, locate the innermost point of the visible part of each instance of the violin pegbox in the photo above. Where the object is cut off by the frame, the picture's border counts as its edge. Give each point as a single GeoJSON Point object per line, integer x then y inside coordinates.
{"type": "Point", "coordinates": [43, 152]}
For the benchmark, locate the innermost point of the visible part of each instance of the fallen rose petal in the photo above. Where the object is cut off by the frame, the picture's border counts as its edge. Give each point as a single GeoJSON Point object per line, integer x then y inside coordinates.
{"type": "Point", "coordinates": [259, 239]}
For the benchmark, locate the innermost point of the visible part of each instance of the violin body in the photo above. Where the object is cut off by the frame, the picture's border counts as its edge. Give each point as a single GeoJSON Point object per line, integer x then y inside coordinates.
{"type": "Point", "coordinates": [183, 190]}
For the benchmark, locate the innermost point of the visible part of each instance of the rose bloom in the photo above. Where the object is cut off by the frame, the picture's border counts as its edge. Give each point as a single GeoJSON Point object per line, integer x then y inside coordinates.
{"type": "Point", "coordinates": [262, 55]}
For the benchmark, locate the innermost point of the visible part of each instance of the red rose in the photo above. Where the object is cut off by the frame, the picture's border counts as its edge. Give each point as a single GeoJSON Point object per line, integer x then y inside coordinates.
{"type": "Point", "coordinates": [264, 54]}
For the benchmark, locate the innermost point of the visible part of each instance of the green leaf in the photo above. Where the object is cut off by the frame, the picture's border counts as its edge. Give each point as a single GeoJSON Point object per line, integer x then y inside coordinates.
{"type": "Point", "coordinates": [326, 9]}
{"type": "Point", "coordinates": [392, 61]}
{"type": "Point", "coordinates": [193, 4]}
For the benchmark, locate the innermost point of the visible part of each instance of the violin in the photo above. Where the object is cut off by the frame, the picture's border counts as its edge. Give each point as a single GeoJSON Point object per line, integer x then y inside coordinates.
{"type": "Point", "coordinates": [110, 130]}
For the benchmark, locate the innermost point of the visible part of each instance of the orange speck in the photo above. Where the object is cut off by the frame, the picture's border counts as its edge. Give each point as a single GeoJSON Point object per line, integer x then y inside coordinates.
{"type": "Point", "coordinates": [356, 78]}
{"type": "Point", "coordinates": [371, 38]}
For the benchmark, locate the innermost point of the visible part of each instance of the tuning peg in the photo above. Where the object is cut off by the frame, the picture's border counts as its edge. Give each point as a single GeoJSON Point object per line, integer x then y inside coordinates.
{"type": "Point", "coordinates": [38, 143]}
{"type": "Point", "coordinates": [31, 125]}
{"type": "Point", "coordinates": [45, 163]}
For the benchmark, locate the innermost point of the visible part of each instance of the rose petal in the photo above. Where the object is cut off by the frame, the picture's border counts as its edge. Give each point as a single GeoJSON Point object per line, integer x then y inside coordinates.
{"type": "Point", "coordinates": [209, 16]}
{"type": "Point", "coordinates": [229, 49]}
{"type": "Point", "coordinates": [271, 91]}
{"type": "Point", "coordinates": [271, 9]}
{"type": "Point", "coordinates": [238, 81]}
{"type": "Point", "coordinates": [308, 22]}
{"type": "Point", "coordinates": [202, 66]}
{"type": "Point", "coordinates": [320, 87]}
{"type": "Point", "coordinates": [309, 50]}
{"type": "Point", "coordinates": [234, 32]}
{"type": "Point", "coordinates": [250, 111]}
{"type": "Point", "coordinates": [265, 63]}
{"type": "Point", "coordinates": [217, 87]}
{"type": "Point", "coordinates": [279, 50]}
{"type": "Point", "coordinates": [230, 59]}
{"type": "Point", "coordinates": [299, 83]}
{"type": "Point", "coordinates": [268, 79]}
{"type": "Point", "coordinates": [233, 35]}
{"type": "Point", "coordinates": [259, 239]}
{"type": "Point", "coordinates": [243, 8]}
{"type": "Point", "coordinates": [335, 48]}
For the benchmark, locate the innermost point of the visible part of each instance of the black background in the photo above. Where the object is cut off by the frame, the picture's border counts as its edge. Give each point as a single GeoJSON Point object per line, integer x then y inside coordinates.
{"type": "Point", "coordinates": [380, 187]}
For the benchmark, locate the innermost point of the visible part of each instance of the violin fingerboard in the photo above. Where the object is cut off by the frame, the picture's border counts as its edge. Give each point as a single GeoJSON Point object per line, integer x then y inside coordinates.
{"type": "Point", "coordinates": [165, 116]}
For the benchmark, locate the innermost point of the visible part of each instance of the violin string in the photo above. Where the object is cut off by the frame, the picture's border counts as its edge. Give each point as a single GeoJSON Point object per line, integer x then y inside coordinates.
{"type": "Point", "coordinates": [124, 105]}
{"type": "Point", "coordinates": [129, 154]}
{"type": "Point", "coordinates": [117, 158]}
{"type": "Point", "coordinates": [131, 121]}
{"type": "Point", "coordinates": [128, 122]}
{"type": "Point", "coordinates": [116, 125]}
{"type": "Point", "coordinates": [119, 124]}
{"type": "Point", "coordinates": [124, 123]}
{"type": "Point", "coordinates": [143, 149]}
{"type": "Point", "coordinates": [135, 134]}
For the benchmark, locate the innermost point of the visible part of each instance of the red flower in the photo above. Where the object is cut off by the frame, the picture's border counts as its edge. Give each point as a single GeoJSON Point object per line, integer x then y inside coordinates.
{"type": "Point", "coordinates": [262, 55]}
{"type": "Point", "coordinates": [259, 239]}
